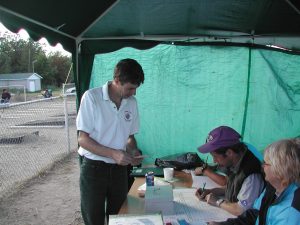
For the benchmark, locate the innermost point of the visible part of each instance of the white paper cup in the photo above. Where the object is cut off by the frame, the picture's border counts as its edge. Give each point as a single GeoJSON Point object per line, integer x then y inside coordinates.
{"type": "Point", "coordinates": [168, 174]}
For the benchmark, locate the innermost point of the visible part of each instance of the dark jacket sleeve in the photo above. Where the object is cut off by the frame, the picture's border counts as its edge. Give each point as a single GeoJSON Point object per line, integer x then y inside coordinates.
{"type": "Point", "coordinates": [247, 218]}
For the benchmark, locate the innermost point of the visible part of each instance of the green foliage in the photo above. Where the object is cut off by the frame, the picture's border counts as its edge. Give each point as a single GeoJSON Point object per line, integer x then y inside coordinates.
{"type": "Point", "coordinates": [23, 56]}
{"type": "Point", "coordinates": [60, 66]}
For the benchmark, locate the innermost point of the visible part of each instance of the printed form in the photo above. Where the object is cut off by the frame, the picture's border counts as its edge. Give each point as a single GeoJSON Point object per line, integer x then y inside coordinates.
{"type": "Point", "coordinates": [195, 212]}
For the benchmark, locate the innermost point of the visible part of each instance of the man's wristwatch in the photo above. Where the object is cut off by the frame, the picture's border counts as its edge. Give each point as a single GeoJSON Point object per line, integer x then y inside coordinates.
{"type": "Point", "coordinates": [204, 167]}
{"type": "Point", "coordinates": [219, 202]}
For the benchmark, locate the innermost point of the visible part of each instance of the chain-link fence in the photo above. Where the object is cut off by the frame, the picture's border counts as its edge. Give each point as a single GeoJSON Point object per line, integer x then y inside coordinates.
{"type": "Point", "coordinates": [17, 93]}
{"type": "Point", "coordinates": [34, 135]}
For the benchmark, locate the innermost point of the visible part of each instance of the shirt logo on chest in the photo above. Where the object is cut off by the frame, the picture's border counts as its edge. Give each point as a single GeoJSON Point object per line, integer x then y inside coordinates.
{"type": "Point", "coordinates": [127, 116]}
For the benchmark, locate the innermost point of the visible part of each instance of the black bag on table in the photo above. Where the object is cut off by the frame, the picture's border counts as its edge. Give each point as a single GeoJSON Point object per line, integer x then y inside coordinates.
{"type": "Point", "coordinates": [188, 160]}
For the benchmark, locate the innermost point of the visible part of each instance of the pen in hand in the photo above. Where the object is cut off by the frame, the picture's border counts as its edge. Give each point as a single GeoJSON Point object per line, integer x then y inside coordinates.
{"type": "Point", "coordinates": [203, 188]}
{"type": "Point", "coordinates": [201, 192]}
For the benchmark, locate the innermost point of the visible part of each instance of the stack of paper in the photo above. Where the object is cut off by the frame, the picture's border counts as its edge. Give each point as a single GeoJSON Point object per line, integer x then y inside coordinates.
{"type": "Point", "coordinates": [157, 182]}
{"type": "Point", "coordinates": [159, 199]}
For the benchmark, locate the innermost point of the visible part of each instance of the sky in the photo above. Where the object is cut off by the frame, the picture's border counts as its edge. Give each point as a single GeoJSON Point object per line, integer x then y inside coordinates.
{"type": "Point", "coordinates": [48, 48]}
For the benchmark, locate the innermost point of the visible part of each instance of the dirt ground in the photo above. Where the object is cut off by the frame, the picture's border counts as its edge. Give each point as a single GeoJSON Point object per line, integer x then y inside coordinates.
{"type": "Point", "coordinates": [50, 199]}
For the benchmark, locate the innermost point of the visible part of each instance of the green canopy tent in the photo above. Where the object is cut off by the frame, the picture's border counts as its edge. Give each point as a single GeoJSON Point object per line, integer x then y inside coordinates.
{"type": "Point", "coordinates": [91, 27]}
{"type": "Point", "coordinates": [86, 28]}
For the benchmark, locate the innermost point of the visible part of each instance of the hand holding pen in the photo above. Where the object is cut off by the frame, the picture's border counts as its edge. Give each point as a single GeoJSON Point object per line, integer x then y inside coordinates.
{"type": "Point", "coordinates": [201, 193]}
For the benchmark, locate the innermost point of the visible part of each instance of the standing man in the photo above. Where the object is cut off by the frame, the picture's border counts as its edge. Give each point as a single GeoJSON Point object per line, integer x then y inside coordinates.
{"type": "Point", "coordinates": [245, 181]}
{"type": "Point", "coordinates": [107, 121]}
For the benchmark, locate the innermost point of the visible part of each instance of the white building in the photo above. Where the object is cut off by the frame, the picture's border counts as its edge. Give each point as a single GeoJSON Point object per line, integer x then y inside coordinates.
{"type": "Point", "coordinates": [31, 81]}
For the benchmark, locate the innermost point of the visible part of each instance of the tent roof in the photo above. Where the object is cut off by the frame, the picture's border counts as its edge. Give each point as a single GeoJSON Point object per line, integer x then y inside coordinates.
{"type": "Point", "coordinates": [259, 22]}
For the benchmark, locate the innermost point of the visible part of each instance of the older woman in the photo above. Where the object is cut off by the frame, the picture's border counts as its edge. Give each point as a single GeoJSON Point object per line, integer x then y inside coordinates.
{"type": "Point", "coordinates": [279, 204]}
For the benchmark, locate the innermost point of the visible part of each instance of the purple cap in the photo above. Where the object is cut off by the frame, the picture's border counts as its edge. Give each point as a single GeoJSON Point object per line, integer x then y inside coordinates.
{"type": "Point", "coordinates": [220, 137]}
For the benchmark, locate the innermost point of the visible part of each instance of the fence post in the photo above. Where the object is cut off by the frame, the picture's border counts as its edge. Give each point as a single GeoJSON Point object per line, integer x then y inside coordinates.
{"type": "Point", "coordinates": [67, 121]}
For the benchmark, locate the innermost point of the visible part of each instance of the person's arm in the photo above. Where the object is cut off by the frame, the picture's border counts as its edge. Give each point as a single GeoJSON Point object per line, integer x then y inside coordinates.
{"type": "Point", "coordinates": [232, 207]}
{"type": "Point", "coordinates": [133, 150]}
{"type": "Point", "coordinates": [247, 218]}
{"type": "Point", "coordinates": [121, 157]}
{"type": "Point", "coordinates": [131, 146]}
{"type": "Point", "coordinates": [218, 178]}
{"type": "Point", "coordinates": [250, 190]}
{"type": "Point", "coordinates": [203, 194]}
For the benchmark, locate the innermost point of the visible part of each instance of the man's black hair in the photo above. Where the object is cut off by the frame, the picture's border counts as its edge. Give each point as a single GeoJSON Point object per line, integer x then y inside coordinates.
{"type": "Point", "coordinates": [129, 71]}
{"type": "Point", "coordinates": [237, 148]}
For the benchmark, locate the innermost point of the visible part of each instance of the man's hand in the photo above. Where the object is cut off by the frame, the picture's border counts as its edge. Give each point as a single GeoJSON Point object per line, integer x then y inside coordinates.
{"type": "Point", "coordinates": [199, 171]}
{"type": "Point", "coordinates": [122, 157]}
{"type": "Point", "coordinates": [212, 199]}
{"type": "Point", "coordinates": [133, 150]}
{"type": "Point", "coordinates": [201, 194]}
{"type": "Point", "coordinates": [137, 157]}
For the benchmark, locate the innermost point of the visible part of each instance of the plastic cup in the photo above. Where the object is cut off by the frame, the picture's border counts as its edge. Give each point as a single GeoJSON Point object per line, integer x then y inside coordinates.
{"type": "Point", "coordinates": [168, 174]}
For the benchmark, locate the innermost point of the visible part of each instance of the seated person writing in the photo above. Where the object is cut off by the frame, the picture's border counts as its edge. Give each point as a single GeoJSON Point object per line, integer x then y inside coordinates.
{"type": "Point", "coordinates": [219, 174]}
{"type": "Point", "coordinates": [279, 204]}
{"type": "Point", "coordinates": [245, 180]}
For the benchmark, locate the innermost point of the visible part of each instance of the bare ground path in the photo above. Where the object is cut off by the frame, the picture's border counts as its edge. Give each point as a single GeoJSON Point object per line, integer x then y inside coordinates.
{"type": "Point", "coordinates": [51, 199]}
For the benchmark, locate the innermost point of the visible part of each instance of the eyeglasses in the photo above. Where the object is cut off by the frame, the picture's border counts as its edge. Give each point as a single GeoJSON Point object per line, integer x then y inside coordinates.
{"type": "Point", "coordinates": [265, 164]}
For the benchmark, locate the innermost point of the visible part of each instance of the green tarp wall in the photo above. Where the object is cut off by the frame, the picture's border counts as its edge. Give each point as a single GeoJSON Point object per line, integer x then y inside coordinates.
{"type": "Point", "coordinates": [189, 90]}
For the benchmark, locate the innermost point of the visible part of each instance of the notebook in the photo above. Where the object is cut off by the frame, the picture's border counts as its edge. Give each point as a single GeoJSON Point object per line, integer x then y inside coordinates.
{"type": "Point", "coordinates": [140, 172]}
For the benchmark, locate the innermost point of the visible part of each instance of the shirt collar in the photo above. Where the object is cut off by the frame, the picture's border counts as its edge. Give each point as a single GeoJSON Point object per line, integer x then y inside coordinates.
{"type": "Point", "coordinates": [106, 95]}
{"type": "Point", "coordinates": [286, 192]}
{"type": "Point", "coordinates": [105, 90]}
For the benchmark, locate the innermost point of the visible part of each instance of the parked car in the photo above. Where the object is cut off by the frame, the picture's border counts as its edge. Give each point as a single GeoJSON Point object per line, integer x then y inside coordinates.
{"type": "Point", "coordinates": [71, 91]}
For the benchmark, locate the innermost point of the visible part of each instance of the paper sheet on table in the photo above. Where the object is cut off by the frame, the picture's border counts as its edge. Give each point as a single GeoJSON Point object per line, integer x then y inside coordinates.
{"type": "Point", "coordinates": [198, 181]}
{"type": "Point", "coordinates": [174, 220]}
{"type": "Point", "coordinates": [188, 206]}
{"type": "Point", "coordinates": [128, 219]}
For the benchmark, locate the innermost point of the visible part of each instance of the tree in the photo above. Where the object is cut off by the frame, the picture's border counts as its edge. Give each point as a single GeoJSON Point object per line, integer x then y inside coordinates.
{"type": "Point", "coordinates": [18, 56]}
{"type": "Point", "coordinates": [60, 67]}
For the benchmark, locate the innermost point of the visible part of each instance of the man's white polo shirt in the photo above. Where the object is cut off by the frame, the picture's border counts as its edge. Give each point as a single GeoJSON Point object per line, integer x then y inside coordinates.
{"type": "Point", "coordinates": [99, 117]}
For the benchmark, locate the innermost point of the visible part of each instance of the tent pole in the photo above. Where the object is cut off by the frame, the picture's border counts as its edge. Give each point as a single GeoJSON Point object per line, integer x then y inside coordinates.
{"type": "Point", "coordinates": [77, 51]}
{"type": "Point", "coordinates": [293, 6]}
{"type": "Point", "coordinates": [96, 20]}
{"type": "Point", "coordinates": [247, 93]}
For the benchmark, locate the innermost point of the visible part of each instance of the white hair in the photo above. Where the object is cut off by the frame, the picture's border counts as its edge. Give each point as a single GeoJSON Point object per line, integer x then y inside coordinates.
{"type": "Point", "coordinates": [284, 157]}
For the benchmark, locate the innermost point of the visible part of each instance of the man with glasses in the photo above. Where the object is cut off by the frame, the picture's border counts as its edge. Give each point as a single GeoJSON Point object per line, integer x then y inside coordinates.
{"type": "Point", "coordinates": [245, 181]}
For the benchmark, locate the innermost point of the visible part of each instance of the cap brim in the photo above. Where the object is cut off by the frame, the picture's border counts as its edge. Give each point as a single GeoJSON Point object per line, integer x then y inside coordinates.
{"type": "Point", "coordinates": [212, 146]}
{"type": "Point", "coordinates": [206, 148]}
